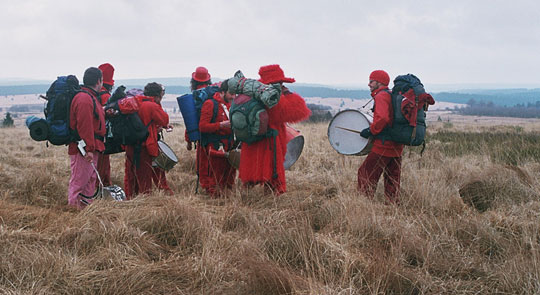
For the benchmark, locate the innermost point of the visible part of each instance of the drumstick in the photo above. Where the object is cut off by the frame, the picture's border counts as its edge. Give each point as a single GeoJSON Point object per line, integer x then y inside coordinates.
{"type": "Point", "coordinates": [351, 130]}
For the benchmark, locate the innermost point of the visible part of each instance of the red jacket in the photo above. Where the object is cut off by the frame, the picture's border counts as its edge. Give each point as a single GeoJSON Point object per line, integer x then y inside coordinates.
{"type": "Point", "coordinates": [87, 117]}
{"type": "Point", "coordinates": [153, 116]}
{"type": "Point", "coordinates": [382, 117]}
{"type": "Point", "coordinates": [207, 111]}
{"type": "Point", "coordinates": [104, 96]}
{"type": "Point", "coordinates": [257, 159]}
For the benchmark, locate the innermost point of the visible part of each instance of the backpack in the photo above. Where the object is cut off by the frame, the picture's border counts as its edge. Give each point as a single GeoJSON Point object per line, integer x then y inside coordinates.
{"type": "Point", "coordinates": [125, 127]}
{"type": "Point", "coordinates": [402, 130]}
{"type": "Point", "coordinates": [59, 97]}
{"type": "Point", "coordinates": [190, 106]}
{"type": "Point", "coordinates": [249, 119]}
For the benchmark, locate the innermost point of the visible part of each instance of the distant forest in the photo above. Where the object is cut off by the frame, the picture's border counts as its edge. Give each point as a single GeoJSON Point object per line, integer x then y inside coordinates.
{"type": "Point", "coordinates": [499, 97]}
{"type": "Point", "coordinates": [474, 108]}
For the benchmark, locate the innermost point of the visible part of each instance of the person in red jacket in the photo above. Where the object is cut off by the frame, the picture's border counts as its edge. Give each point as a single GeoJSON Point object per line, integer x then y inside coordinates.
{"type": "Point", "coordinates": [199, 79]}
{"type": "Point", "coordinates": [139, 171]}
{"type": "Point", "coordinates": [257, 159]}
{"type": "Point", "coordinates": [384, 156]}
{"type": "Point", "coordinates": [104, 163]}
{"type": "Point", "coordinates": [88, 120]}
{"type": "Point", "coordinates": [215, 173]}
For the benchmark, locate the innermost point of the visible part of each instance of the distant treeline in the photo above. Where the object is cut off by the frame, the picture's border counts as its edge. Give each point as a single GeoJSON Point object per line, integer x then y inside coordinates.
{"type": "Point", "coordinates": [502, 97]}
{"type": "Point", "coordinates": [474, 108]}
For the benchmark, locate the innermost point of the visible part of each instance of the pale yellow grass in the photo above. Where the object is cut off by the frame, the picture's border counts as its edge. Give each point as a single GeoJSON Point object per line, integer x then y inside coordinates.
{"type": "Point", "coordinates": [321, 237]}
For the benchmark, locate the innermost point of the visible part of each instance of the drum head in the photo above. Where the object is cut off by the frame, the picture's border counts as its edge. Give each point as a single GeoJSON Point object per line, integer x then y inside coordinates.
{"type": "Point", "coordinates": [164, 148]}
{"type": "Point", "coordinates": [294, 149]}
{"type": "Point", "coordinates": [344, 132]}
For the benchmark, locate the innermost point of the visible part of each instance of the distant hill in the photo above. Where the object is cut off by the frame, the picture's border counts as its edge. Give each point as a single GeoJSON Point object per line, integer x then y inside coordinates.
{"type": "Point", "coordinates": [500, 97]}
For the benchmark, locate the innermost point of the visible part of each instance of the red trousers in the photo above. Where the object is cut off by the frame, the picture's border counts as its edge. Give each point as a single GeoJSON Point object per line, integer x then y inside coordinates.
{"type": "Point", "coordinates": [104, 169]}
{"type": "Point", "coordinates": [138, 180]}
{"type": "Point", "coordinates": [370, 171]}
{"type": "Point", "coordinates": [215, 173]}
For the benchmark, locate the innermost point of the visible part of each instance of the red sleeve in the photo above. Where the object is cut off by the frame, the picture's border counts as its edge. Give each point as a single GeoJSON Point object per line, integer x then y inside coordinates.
{"type": "Point", "coordinates": [291, 108]}
{"type": "Point", "coordinates": [382, 116]}
{"type": "Point", "coordinates": [82, 112]}
{"type": "Point", "coordinates": [207, 112]}
{"type": "Point", "coordinates": [104, 98]}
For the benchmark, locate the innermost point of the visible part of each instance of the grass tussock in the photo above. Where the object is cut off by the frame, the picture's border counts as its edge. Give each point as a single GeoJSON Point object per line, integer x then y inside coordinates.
{"type": "Point", "coordinates": [468, 224]}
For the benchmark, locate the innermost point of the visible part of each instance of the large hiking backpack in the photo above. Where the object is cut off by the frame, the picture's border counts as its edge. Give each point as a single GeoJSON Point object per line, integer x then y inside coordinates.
{"type": "Point", "coordinates": [249, 119]}
{"type": "Point", "coordinates": [59, 97]}
{"type": "Point", "coordinates": [190, 106]}
{"type": "Point", "coordinates": [402, 130]}
{"type": "Point", "coordinates": [125, 125]}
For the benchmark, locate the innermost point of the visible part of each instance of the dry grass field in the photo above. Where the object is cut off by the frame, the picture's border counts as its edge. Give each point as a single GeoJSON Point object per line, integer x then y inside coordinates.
{"type": "Point", "coordinates": [468, 224]}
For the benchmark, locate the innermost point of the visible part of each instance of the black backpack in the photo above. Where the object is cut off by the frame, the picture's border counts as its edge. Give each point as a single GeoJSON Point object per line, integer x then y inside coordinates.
{"type": "Point", "coordinates": [59, 98]}
{"type": "Point", "coordinates": [401, 131]}
{"type": "Point", "coordinates": [123, 129]}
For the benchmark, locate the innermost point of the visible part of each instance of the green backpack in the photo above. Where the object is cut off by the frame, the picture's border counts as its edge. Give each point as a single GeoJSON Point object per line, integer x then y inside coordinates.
{"type": "Point", "coordinates": [249, 119]}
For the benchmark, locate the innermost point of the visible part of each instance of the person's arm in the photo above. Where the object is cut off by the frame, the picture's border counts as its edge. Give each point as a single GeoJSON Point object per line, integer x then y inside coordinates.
{"type": "Point", "coordinates": [382, 116]}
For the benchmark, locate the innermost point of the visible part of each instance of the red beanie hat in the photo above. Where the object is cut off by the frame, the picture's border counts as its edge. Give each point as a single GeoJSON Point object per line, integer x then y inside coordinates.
{"type": "Point", "coordinates": [380, 76]}
{"type": "Point", "coordinates": [201, 74]}
{"type": "Point", "coordinates": [108, 72]}
{"type": "Point", "coordinates": [273, 74]}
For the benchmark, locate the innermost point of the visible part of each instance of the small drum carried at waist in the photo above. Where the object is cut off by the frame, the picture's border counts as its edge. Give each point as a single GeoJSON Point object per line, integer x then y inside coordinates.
{"type": "Point", "coordinates": [295, 145]}
{"type": "Point", "coordinates": [166, 158]}
{"type": "Point", "coordinates": [344, 133]}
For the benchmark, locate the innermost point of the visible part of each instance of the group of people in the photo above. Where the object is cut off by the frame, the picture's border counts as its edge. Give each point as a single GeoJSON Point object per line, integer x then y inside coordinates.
{"type": "Point", "coordinates": [261, 162]}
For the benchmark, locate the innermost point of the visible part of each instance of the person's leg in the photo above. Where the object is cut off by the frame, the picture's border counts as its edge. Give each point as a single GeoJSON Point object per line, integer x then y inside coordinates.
{"type": "Point", "coordinates": [392, 178]}
{"type": "Point", "coordinates": [129, 175]}
{"type": "Point", "coordinates": [144, 172]}
{"type": "Point", "coordinates": [79, 181]}
{"type": "Point", "coordinates": [369, 173]}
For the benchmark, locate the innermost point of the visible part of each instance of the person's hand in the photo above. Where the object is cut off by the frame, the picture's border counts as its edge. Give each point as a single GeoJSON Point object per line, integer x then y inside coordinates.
{"type": "Point", "coordinates": [189, 146]}
{"type": "Point", "coordinates": [169, 128]}
{"type": "Point", "coordinates": [366, 133]}
{"type": "Point", "coordinates": [89, 157]}
{"type": "Point", "coordinates": [225, 124]}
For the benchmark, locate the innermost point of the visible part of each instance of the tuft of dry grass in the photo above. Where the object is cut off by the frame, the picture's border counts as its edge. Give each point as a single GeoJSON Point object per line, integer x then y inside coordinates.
{"type": "Point", "coordinates": [468, 224]}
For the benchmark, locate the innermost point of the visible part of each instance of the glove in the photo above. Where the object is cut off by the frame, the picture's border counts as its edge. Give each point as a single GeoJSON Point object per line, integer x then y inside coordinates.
{"type": "Point", "coordinates": [366, 133]}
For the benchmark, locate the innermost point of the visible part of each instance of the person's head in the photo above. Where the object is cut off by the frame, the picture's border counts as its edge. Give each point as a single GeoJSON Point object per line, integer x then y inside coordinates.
{"type": "Point", "coordinates": [224, 89]}
{"type": "Point", "coordinates": [200, 78]}
{"type": "Point", "coordinates": [156, 90]}
{"type": "Point", "coordinates": [378, 79]}
{"type": "Point", "coordinates": [272, 74]}
{"type": "Point", "coordinates": [93, 78]}
{"type": "Point", "coordinates": [108, 72]}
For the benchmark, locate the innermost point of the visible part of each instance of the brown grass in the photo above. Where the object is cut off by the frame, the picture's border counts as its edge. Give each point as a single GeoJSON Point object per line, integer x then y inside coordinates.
{"type": "Point", "coordinates": [468, 225]}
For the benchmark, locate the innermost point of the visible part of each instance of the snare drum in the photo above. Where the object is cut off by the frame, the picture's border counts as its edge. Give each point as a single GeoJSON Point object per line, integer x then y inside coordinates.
{"type": "Point", "coordinates": [166, 158]}
{"type": "Point", "coordinates": [344, 133]}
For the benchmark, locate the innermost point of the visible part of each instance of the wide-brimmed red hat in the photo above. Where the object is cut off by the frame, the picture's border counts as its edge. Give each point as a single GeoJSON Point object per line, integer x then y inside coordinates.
{"type": "Point", "coordinates": [108, 72]}
{"type": "Point", "coordinates": [201, 74]}
{"type": "Point", "coordinates": [273, 74]}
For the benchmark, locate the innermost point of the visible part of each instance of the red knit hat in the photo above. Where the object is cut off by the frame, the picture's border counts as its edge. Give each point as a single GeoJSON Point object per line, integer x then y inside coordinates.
{"type": "Point", "coordinates": [201, 74]}
{"type": "Point", "coordinates": [108, 72]}
{"type": "Point", "coordinates": [380, 76]}
{"type": "Point", "coordinates": [273, 74]}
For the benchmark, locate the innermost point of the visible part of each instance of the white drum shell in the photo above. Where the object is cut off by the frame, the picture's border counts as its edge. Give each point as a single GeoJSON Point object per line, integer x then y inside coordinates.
{"type": "Point", "coordinates": [348, 142]}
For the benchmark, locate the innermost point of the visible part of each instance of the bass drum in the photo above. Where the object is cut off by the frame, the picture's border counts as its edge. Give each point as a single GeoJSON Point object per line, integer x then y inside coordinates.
{"type": "Point", "coordinates": [344, 133]}
{"type": "Point", "coordinates": [166, 158]}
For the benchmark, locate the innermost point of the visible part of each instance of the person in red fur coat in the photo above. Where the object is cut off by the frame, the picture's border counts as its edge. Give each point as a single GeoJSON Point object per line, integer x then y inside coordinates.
{"type": "Point", "coordinates": [216, 175]}
{"type": "Point", "coordinates": [385, 156]}
{"type": "Point", "coordinates": [257, 159]}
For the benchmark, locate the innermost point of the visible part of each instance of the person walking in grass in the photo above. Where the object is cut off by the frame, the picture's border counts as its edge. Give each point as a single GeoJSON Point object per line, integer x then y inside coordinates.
{"type": "Point", "coordinates": [385, 156]}
{"type": "Point", "coordinates": [89, 123]}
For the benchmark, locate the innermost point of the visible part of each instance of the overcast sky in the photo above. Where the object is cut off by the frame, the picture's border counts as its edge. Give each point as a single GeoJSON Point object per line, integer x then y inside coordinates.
{"type": "Point", "coordinates": [328, 42]}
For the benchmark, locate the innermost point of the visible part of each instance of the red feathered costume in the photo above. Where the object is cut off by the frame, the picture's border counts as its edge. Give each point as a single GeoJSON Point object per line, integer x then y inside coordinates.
{"type": "Point", "coordinates": [257, 159]}
{"type": "Point", "coordinates": [215, 172]}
